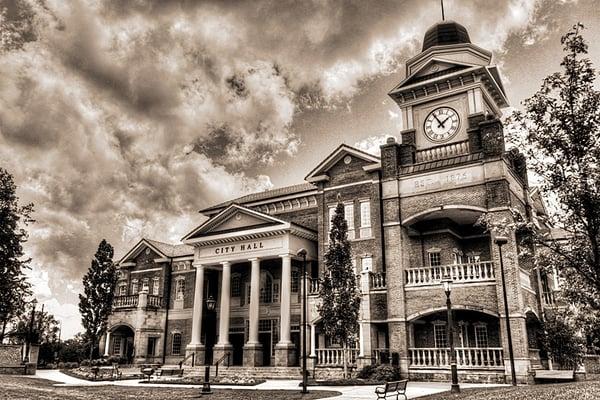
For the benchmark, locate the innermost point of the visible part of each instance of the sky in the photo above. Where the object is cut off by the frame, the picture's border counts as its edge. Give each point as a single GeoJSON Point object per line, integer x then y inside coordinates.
{"type": "Point", "coordinates": [120, 120]}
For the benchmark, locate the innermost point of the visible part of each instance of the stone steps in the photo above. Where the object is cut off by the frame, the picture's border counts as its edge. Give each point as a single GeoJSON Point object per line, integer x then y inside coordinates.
{"type": "Point", "coordinates": [248, 372]}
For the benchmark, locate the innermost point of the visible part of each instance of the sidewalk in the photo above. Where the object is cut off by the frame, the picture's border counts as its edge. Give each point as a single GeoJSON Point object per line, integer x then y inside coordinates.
{"type": "Point", "coordinates": [414, 389]}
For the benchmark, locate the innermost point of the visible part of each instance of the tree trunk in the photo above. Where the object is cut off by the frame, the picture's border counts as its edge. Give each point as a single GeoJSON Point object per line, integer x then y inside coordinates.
{"type": "Point", "coordinates": [3, 331]}
{"type": "Point", "coordinates": [92, 345]}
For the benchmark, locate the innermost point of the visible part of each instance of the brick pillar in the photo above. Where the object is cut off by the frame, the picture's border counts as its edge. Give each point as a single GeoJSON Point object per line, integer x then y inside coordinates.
{"type": "Point", "coordinates": [492, 137]}
{"type": "Point", "coordinates": [515, 302]}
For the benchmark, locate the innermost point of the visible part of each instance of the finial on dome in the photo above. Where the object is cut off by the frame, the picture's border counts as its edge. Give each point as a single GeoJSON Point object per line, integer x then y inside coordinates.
{"type": "Point", "coordinates": [442, 4]}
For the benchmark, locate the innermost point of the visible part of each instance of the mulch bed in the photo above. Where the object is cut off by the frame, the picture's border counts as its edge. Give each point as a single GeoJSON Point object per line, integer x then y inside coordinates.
{"type": "Point", "coordinates": [344, 382]}
{"type": "Point", "coordinates": [199, 381]}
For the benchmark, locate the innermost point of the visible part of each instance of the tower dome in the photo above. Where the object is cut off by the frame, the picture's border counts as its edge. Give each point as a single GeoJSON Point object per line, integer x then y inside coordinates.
{"type": "Point", "coordinates": [444, 33]}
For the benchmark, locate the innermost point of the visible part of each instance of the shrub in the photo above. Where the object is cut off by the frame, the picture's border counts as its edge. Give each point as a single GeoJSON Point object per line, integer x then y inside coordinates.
{"type": "Point", "coordinates": [61, 365]}
{"type": "Point", "coordinates": [366, 372]}
{"type": "Point", "coordinates": [559, 338]}
{"type": "Point", "coordinates": [386, 373]}
{"type": "Point", "coordinates": [85, 363]}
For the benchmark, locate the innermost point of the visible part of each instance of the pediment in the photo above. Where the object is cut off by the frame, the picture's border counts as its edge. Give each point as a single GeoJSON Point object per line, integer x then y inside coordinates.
{"type": "Point", "coordinates": [434, 68]}
{"type": "Point", "coordinates": [339, 154]}
{"type": "Point", "coordinates": [142, 248]}
{"type": "Point", "coordinates": [234, 218]}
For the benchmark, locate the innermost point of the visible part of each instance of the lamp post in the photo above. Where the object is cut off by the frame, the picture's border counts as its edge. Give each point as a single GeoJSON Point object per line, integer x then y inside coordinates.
{"type": "Point", "coordinates": [3, 318]}
{"type": "Point", "coordinates": [500, 241]}
{"type": "Point", "coordinates": [210, 306]}
{"type": "Point", "coordinates": [302, 253]}
{"type": "Point", "coordinates": [30, 331]}
{"type": "Point", "coordinates": [454, 387]}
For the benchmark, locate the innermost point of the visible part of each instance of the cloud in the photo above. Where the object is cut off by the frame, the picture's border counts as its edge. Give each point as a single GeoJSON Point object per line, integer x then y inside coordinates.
{"type": "Point", "coordinates": [122, 119]}
{"type": "Point", "coordinates": [372, 144]}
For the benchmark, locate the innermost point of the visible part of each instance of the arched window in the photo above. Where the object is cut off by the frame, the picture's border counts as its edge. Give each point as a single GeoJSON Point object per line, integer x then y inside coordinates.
{"type": "Point", "coordinates": [266, 287]}
{"type": "Point", "coordinates": [176, 344]}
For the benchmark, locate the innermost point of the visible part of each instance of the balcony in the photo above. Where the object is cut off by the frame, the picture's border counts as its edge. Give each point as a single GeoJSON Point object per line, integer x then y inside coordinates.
{"type": "Point", "coordinates": [377, 281]}
{"type": "Point", "coordinates": [155, 301]}
{"type": "Point", "coordinates": [130, 301]}
{"type": "Point", "coordinates": [466, 357]}
{"type": "Point", "coordinates": [482, 271]}
{"type": "Point", "coordinates": [334, 357]}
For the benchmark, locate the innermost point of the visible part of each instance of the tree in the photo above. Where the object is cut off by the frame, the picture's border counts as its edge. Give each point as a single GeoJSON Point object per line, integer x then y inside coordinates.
{"type": "Point", "coordinates": [559, 338]}
{"type": "Point", "coordinates": [559, 129]}
{"type": "Point", "coordinates": [338, 290]}
{"type": "Point", "coordinates": [74, 349]}
{"type": "Point", "coordinates": [99, 288]}
{"type": "Point", "coordinates": [14, 288]}
{"type": "Point", "coordinates": [45, 327]}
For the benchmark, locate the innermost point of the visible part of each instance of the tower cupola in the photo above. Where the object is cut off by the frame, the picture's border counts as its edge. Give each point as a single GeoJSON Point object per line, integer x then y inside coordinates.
{"type": "Point", "coordinates": [445, 33]}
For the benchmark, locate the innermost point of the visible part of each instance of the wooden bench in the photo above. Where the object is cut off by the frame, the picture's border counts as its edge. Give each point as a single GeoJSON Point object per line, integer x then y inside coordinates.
{"type": "Point", "coordinates": [171, 372]}
{"type": "Point", "coordinates": [395, 388]}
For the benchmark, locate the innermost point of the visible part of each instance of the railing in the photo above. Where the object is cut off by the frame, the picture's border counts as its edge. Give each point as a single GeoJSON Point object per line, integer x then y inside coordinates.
{"type": "Point", "coordinates": [192, 356]}
{"type": "Point", "coordinates": [313, 286]}
{"type": "Point", "coordinates": [154, 301]}
{"type": "Point", "coordinates": [126, 301]}
{"type": "Point", "coordinates": [441, 152]}
{"type": "Point", "coordinates": [334, 357]}
{"type": "Point", "coordinates": [377, 280]}
{"type": "Point", "coordinates": [549, 299]}
{"type": "Point", "coordinates": [220, 360]}
{"type": "Point", "coordinates": [466, 357]}
{"type": "Point", "coordinates": [473, 272]}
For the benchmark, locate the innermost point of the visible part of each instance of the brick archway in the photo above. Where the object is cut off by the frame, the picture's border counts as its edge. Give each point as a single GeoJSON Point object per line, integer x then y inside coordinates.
{"type": "Point", "coordinates": [455, 307]}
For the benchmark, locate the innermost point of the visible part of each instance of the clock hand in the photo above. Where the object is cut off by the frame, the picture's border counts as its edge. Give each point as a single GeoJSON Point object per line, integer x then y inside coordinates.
{"type": "Point", "coordinates": [443, 123]}
{"type": "Point", "coordinates": [440, 123]}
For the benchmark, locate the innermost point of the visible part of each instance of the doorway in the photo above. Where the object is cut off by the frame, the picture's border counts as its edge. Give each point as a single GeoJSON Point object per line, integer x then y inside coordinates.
{"type": "Point", "coordinates": [237, 341]}
{"type": "Point", "coordinates": [265, 339]}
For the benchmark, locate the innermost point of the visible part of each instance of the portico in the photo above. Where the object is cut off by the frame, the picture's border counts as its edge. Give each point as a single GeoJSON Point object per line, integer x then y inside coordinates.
{"type": "Point", "coordinates": [255, 256]}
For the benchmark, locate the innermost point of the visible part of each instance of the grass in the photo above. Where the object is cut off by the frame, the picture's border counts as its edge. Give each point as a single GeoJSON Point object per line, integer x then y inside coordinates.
{"type": "Point", "coordinates": [23, 388]}
{"type": "Point", "coordinates": [589, 390]}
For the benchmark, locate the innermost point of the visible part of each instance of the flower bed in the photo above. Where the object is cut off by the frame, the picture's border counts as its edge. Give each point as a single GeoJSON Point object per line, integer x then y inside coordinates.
{"type": "Point", "coordinates": [220, 380]}
{"type": "Point", "coordinates": [95, 374]}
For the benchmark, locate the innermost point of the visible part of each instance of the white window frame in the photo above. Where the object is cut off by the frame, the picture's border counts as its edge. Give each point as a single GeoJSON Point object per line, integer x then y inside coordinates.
{"type": "Point", "coordinates": [349, 217]}
{"type": "Point", "coordinates": [481, 328]}
{"type": "Point", "coordinates": [134, 286]}
{"type": "Point", "coordinates": [464, 333]}
{"type": "Point", "coordinates": [365, 219]}
{"type": "Point", "coordinates": [436, 327]}
{"type": "Point", "coordinates": [180, 294]}
{"type": "Point", "coordinates": [155, 286]}
{"type": "Point", "coordinates": [146, 285]}
{"type": "Point", "coordinates": [122, 288]}
{"type": "Point", "coordinates": [434, 256]}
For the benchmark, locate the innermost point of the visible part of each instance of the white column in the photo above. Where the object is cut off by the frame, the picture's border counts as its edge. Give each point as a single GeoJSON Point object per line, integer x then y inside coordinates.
{"type": "Point", "coordinates": [361, 338]}
{"type": "Point", "coordinates": [313, 342]}
{"type": "Point", "coordinates": [107, 344]}
{"type": "Point", "coordinates": [286, 289]}
{"type": "Point", "coordinates": [225, 299]}
{"type": "Point", "coordinates": [254, 300]}
{"type": "Point", "coordinates": [198, 304]}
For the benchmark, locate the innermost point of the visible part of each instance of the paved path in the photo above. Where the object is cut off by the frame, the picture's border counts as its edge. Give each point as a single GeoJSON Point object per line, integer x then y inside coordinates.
{"type": "Point", "coordinates": [414, 390]}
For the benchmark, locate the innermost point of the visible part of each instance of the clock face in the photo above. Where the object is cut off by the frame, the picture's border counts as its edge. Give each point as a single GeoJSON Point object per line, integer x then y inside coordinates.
{"type": "Point", "coordinates": [441, 124]}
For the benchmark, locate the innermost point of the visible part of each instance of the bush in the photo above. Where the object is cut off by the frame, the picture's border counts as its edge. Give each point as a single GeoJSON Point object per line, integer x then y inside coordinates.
{"type": "Point", "coordinates": [61, 365]}
{"type": "Point", "coordinates": [386, 373]}
{"type": "Point", "coordinates": [366, 372]}
{"type": "Point", "coordinates": [85, 363]}
{"type": "Point", "coordinates": [560, 340]}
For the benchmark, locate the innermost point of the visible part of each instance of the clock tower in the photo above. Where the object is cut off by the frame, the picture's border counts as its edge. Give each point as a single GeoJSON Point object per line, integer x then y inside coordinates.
{"type": "Point", "coordinates": [449, 87]}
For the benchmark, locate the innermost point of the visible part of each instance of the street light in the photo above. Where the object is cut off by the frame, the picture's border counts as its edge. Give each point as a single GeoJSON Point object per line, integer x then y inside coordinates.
{"type": "Point", "coordinates": [211, 303]}
{"type": "Point", "coordinates": [501, 241]}
{"type": "Point", "coordinates": [302, 253]}
{"type": "Point", "coordinates": [210, 306]}
{"type": "Point", "coordinates": [454, 387]}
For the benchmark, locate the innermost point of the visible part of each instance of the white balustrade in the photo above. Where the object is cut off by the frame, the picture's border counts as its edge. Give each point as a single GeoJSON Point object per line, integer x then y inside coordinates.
{"type": "Point", "coordinates": [334, 357]}
{"type": "Point", "coordinates": [154, 301]}
{"type": "Point", "coordinates": [441, 152]}
{"type": "Point", "coordinates": [313, 286]}
{"type": "Point", "coordinates": [125, 301]}
{"type": "Point", "coordinates": [377, 280]}
{"type": "Point", "coordinates": [460, 273]}
{"type": "Point", "coordinates": [466, 357]}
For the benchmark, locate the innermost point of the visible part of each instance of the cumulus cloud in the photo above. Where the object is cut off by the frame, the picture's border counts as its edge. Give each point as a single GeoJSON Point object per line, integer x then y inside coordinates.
{"type": "Point", "coordinates": [122, 119]}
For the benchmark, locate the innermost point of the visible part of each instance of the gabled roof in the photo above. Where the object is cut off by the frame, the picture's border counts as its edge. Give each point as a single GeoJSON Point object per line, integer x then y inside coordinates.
{"type": "Point", "coordinates": [164, 250]}
{"type": "Point", "coordinates": [415, 77]}
{"type": "Point", "coordinates": [317, 174]}
{"type": "Point", "coordinates": [267, 194]}
{"type": "Point", "coordinates": [228, 213]}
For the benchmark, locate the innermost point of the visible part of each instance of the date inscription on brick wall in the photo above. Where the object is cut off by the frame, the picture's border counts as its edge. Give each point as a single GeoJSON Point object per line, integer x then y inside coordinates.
{"type": "Point", "coordinates": [444, 180]}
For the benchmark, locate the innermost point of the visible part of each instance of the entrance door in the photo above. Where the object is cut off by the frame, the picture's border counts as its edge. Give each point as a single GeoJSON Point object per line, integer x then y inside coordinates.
{"type": "Point", "coordinates": [295, 336]}
{"type": "Point", "coordinates": [265, 339]}
{"type": "Point", "coordinates": [237, 341]}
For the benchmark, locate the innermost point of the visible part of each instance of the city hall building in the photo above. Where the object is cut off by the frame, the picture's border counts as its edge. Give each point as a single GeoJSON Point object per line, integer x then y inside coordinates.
{"type": "Point", "coordinates": [233, 288]}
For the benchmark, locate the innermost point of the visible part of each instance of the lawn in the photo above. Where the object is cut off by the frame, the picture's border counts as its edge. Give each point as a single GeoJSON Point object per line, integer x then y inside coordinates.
{"type": "Point", "coordinates": [23, 388]}
{"type": "Point", "coordinates": [561, 391]}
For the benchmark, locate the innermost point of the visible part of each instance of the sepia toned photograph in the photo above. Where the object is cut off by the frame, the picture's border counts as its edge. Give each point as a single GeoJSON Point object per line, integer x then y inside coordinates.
{"type": "Point", "coordinates": [300, 199]}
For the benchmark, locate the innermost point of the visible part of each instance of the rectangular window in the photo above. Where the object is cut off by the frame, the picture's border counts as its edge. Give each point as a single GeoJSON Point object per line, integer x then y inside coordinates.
{"type": "Point", "coordinates": [116, 350]}
{"type": "Point", "coordinates": [151, 346]}
{"type": "Point", "coordinates": [123, 289]}
{"type": "Point", "coordinates": [236, 285]}
{"type": "Point", "coordinates": [365, 219]}
{"type": "Point", "coordinates": [176, 346]}
{"type": "Point", "coordinates": [295, 280]}
{"type": "Point", "coordinates": [276, 291]}
{"type": "Point", "coordinates": [367, 263]}
{"type": "Point", "coordinates": [349, 217]}
{"type": "Point", "coordinates": [145, 285]}
{"type": "Point", "coordinates": [439, 336]}
{"type": "Point", "coordinates": [435, 259]}
{"type": "Point", "coordinates": [180, 291]}
{"type": "Point", "coordinates": [481, 336]}
{"type": "Point", "coordinates": [329, 223]}
{"type": "Point", "coordinates": [134, 286]}
{"type": "Point", "coordinates": [155, 286]}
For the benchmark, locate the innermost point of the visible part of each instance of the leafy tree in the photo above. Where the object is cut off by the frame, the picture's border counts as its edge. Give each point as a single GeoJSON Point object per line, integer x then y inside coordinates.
{"type": "Point", "coordinates": [559, 129]}
{"type": "Point", "coordinates": [45, 327]}
{"type": "Point", "coordinates": [74, 349]}
{"type": "Point", "coordinates": [559, 338]}
{"type": "Point", "coordinates": [99, 288]}
{"type": "Point", "coordinates": [14, 288]}
{"type": "Point", "coordinates": [338, 290]}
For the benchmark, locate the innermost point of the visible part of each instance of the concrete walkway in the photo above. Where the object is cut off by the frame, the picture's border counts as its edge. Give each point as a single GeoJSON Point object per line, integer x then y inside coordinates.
{"type": "Point", "coordinates": [414, 389]}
